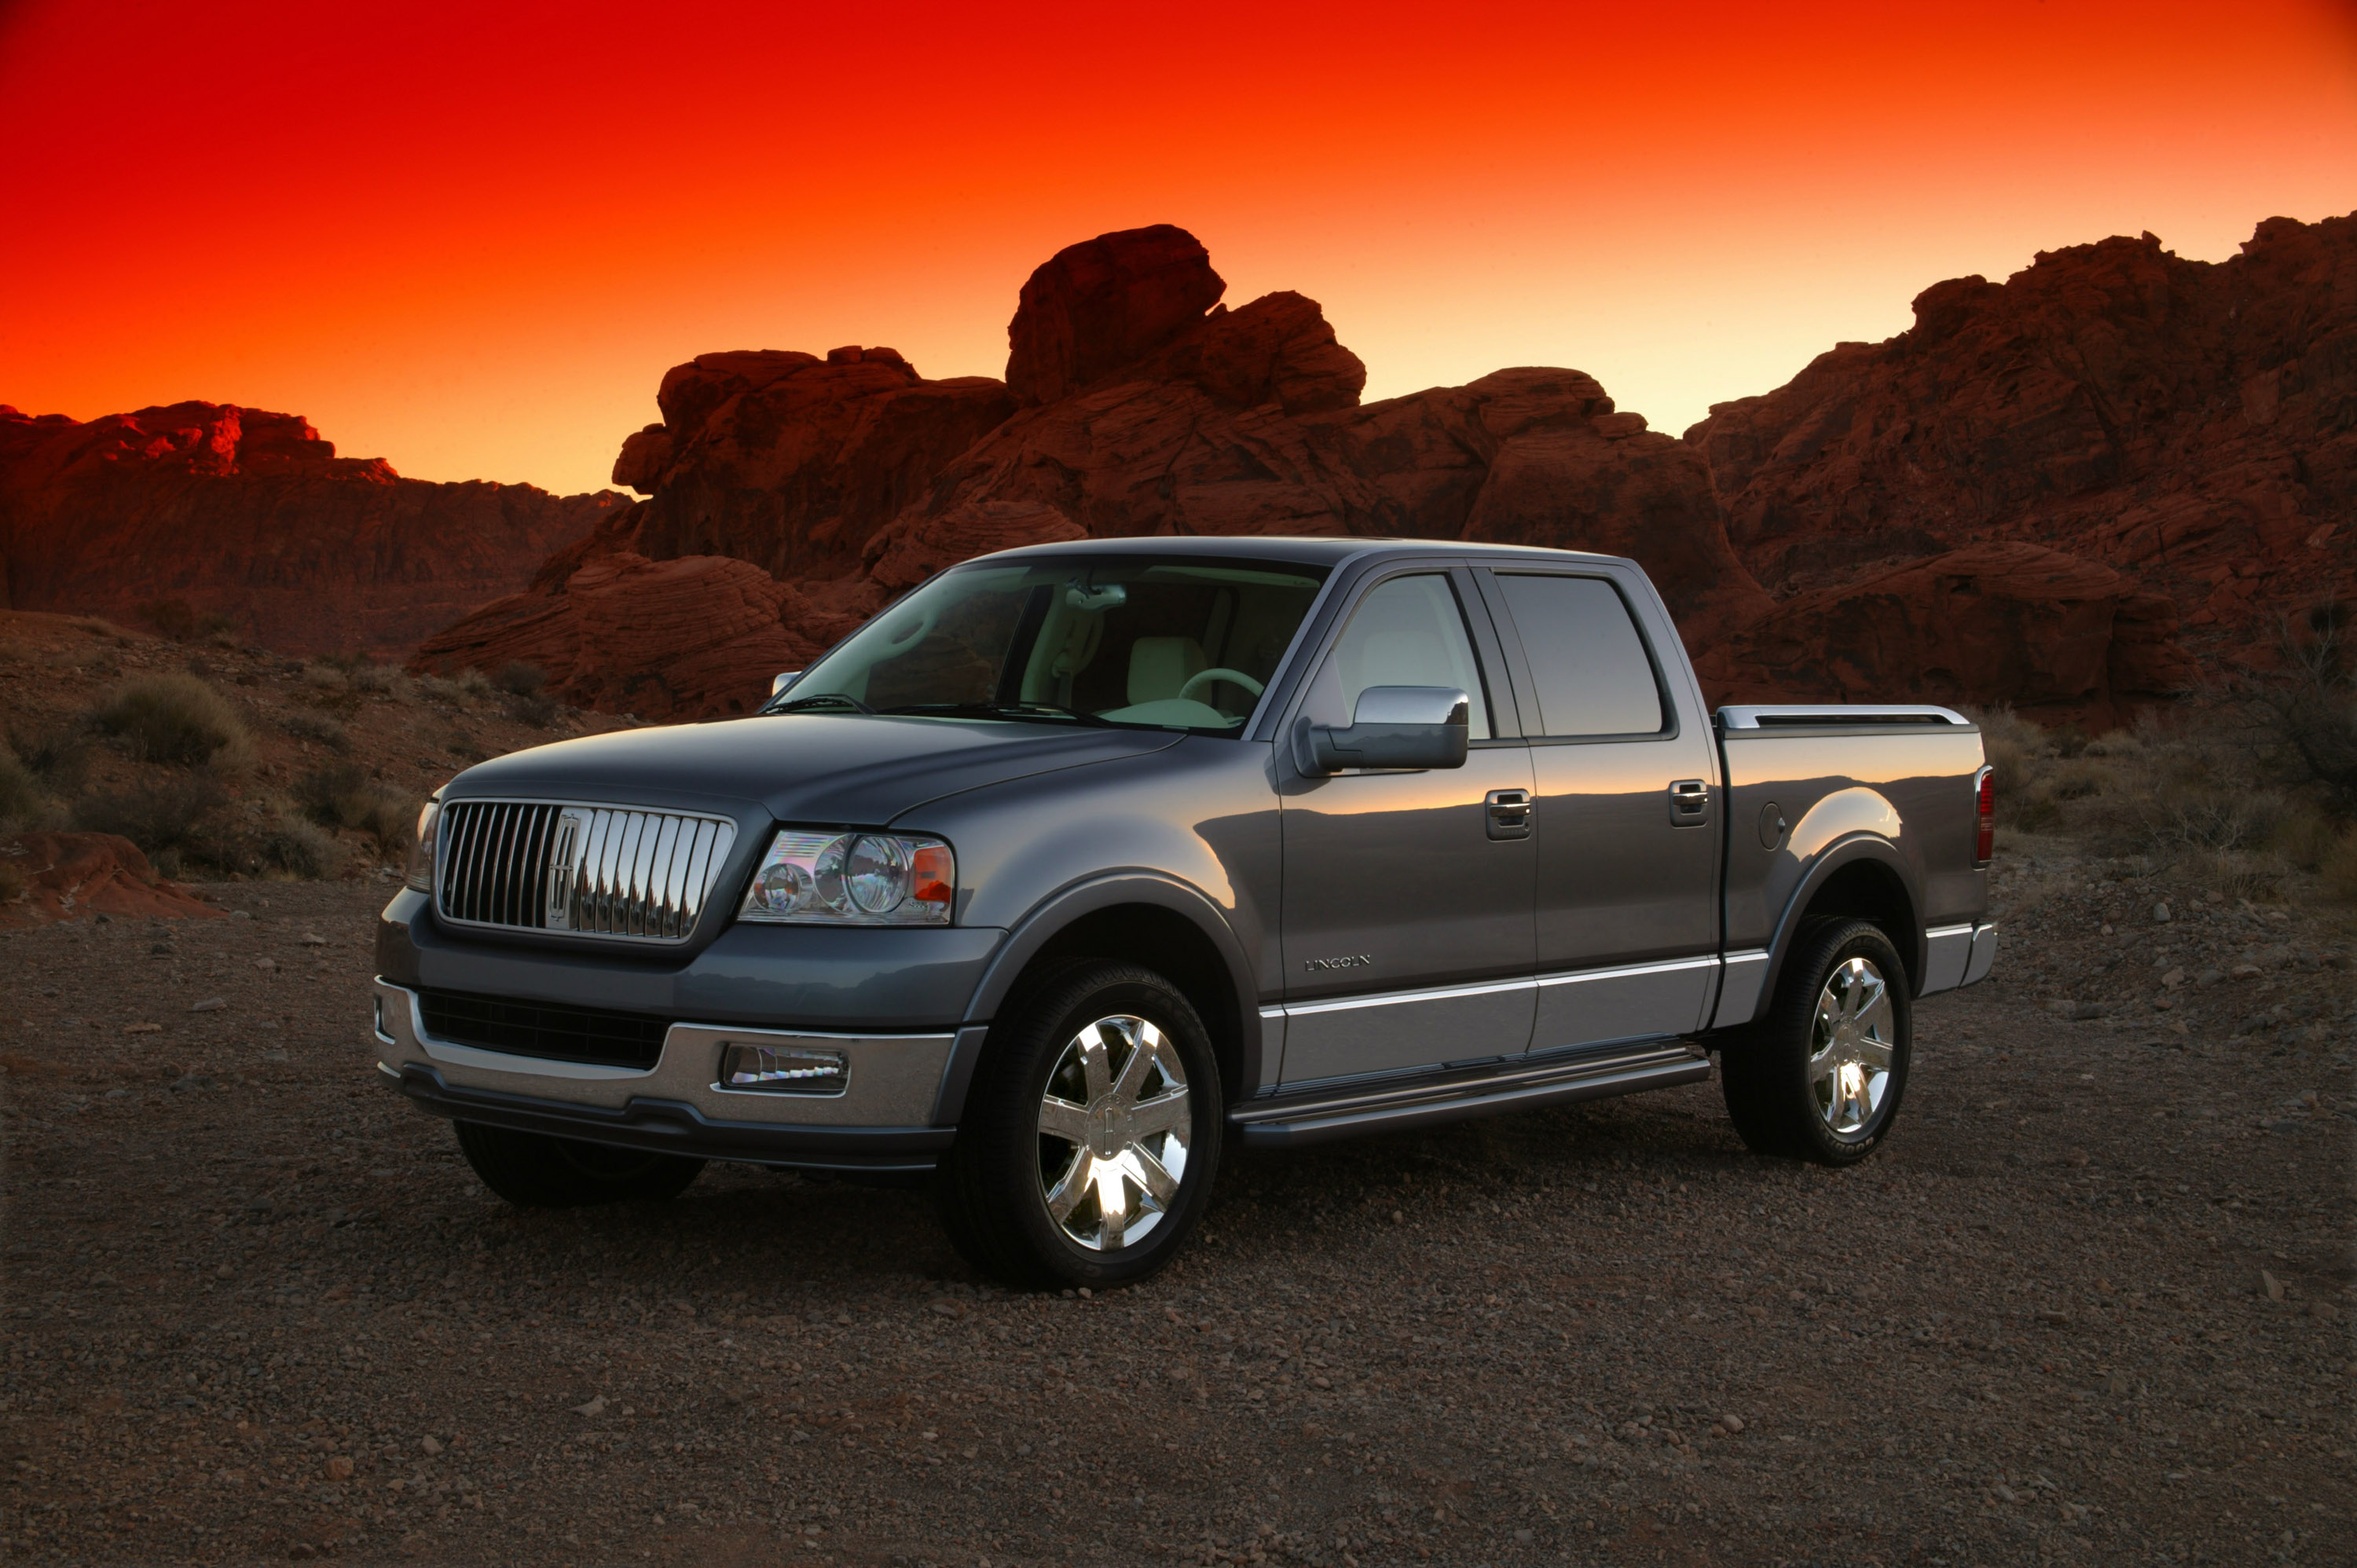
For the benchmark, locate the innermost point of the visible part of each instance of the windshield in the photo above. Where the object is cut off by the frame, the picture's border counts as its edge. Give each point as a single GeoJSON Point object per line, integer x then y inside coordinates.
{"type": "Point", "coordinates": [1171, 644]}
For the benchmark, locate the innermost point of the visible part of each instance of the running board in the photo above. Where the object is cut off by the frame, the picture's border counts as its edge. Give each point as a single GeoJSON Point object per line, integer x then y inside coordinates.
{"type": "Point", "coordinates": [1290, 1122]}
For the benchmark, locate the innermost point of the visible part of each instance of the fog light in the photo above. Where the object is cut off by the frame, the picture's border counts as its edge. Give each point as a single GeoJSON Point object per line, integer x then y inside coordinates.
{"type": "Point", "coordinates": [790, 1069]}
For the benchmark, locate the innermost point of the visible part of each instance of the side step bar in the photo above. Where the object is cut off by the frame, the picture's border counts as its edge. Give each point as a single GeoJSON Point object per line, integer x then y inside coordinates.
{"type": "Point", "coordinates": [1290, 1121]}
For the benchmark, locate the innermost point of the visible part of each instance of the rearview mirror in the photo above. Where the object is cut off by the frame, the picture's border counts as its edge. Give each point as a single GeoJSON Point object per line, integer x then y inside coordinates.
{"type": "Point", "coordinates": [1394, 726]}
{"type": "Point", "coordinates": [779, 683]}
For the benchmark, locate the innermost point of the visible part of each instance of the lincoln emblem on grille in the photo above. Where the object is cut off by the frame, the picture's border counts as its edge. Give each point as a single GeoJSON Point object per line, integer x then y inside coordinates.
{"type": "Point", "coordinates": [569, 825]}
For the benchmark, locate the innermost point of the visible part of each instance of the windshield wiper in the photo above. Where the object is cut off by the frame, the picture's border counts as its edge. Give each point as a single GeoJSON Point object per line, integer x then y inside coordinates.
{"type": "Point", "coordinates": [1003, 711]}
{"type": "Point", "coordinates": [822, 699]}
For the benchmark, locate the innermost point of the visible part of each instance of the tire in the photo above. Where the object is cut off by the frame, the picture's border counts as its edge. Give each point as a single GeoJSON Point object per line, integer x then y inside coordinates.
{"type": "Point", "coordinates": [1055, 1107]}
{"type": "Point", "coordinates": [1823, 1083]}
{"type": "Point", "coordinates": [534, 1170]}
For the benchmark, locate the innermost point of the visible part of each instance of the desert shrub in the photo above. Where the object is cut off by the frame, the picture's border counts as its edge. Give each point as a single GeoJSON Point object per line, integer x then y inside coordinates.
{"type": "Point", "coordinates": [517, 679]}
{"type": "Point", "coordinates": [21, 801]}
{"type": "Point", "coordinates": [182, 622]}
{"type": "Point", "coordinates": [347, 797]}
{"type": "Point", "coordinates": [293, 847]}
{"type": "Point", "coordinates": [319, 728]}
{"type": "Point", "coordinates": [171, 819]}
{"type": "Point", "coordinates": [472, 683]}
{"type": "Point", "coordinates": [59, 759]}
{"type": "Point", "coordinates": [368, 675]}
{"type": "Point", "coordinates": [175, 717]}
{"type": "Point", "coordinates": [13, 883]}
{"type": "Point", "coordinates": [2336, 872]}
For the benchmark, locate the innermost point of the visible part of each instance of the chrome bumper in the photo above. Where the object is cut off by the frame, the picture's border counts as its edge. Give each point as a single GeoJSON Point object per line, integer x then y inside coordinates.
{"type": "Point", "coordinates": [882, 1119]}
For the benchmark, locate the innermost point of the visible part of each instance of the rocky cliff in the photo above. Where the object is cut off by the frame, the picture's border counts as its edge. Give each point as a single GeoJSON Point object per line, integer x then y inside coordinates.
{"type": "Point", "coordinates": [2062, 491]}
{"type": "Point", "coordinates": [2185, 432]}
{"type": "Point", "coordinates": [202, 513]}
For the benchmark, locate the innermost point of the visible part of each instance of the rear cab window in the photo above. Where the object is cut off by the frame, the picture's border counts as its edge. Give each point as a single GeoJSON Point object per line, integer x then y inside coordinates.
{"type": "Point", "coordinates": [1592, 672]}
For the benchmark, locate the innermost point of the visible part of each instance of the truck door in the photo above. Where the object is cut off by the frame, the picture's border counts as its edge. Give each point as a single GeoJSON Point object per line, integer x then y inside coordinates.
{"type": "Point", "coordinates": [1626, 796]}
{"type": "Point", "coordinates": [1407, 895]}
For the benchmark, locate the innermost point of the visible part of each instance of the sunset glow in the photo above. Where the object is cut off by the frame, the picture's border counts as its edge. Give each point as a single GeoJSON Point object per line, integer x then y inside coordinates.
{"type": "Point", "coordinates": [470, 239]}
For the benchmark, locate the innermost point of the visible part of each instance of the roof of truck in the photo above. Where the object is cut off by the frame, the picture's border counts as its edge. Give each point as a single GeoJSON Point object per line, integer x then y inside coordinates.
{"type": "Point", "coordinates": [1314, 549]}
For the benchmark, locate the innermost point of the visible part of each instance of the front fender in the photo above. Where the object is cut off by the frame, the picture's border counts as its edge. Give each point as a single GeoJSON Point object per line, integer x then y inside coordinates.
{"type": "Point", "coordinates": [1030, 936]}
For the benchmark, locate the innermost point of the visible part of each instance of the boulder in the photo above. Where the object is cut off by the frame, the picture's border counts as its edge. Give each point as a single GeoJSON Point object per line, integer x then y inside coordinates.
{"type": "Point", "coordinates": [1095, 307]}
{"type": "Point", "coordinates": [71, 877]}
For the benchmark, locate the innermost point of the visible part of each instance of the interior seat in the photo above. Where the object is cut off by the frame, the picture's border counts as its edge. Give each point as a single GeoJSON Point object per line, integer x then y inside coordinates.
{"type": "Point", "coordinates": [1159, 666]}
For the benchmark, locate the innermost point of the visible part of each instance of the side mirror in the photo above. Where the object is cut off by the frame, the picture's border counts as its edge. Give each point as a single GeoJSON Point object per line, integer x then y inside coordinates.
{"type": "Point", "coordinates": [779, 683]}
{"type": "Point", "coordinates": [1394, 726]}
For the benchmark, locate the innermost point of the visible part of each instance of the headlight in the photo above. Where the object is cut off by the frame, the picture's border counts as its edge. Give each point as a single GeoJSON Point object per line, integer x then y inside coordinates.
{"type": "Point", "coordinates": [853, 879]}
{"type": "Point", "coordinates": [421, 847]}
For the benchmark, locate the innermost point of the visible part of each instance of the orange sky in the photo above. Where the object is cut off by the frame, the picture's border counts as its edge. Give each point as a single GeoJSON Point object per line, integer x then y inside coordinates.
{"type": "Point", "coordinates": [470, 238]}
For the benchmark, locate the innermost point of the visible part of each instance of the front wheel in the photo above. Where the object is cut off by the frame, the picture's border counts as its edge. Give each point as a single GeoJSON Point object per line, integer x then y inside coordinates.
{"type": "Point", "coordinates": [1820, 1078]}
{"type": "Point", "coordinates": [1089, 1141]}
{"type": "Point", "coordinates": [534, 1170]}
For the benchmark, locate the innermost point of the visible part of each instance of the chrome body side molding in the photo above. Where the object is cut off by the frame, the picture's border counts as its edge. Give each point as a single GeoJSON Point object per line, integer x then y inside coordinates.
{"type": "Point", "coordinates": [1738, 993]}
{"type": "Point", "coordinates": [1947, 951]}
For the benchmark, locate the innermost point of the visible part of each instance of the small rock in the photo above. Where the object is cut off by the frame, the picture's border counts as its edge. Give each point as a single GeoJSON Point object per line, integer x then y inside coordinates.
{"type": "Point", "coordinates": [597, 1406]}
{"type": "Point", "coordinates": [1732, 1424]}
{"type": "Point", "coordinates": [339, 1467]}
{"type": "Point", "coordinates": [239, 914]}
{"type": "Point", "coordinates": [2006, 1493]}
{"type": "Point", "coordinates": [2209, 977]}
{"type": "Point", "coordinates": [266, 964]}
{"type": "Point", "coordinates": [2053, 1315]}
{"type": "Point", "coordinates": [312, 940]}
{"type": "Point", "coordinates": [2160, 914]}
{"type": "Point", "coordinates": [430, 1444]}
{"type": "Point", "coordinates": [2173, 979]}
{"type": "Point", "coordinates": [2270, 1286]}
{"type": "Point", "coordinates": [2246, 970]}
{"type": "Point", "coordinates": [143, 1028]}
{"type": "Point", "coordinates": [210, 1004]}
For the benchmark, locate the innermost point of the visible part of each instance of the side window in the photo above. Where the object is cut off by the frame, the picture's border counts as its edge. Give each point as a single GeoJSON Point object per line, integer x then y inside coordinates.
{"type": "Point", "coordinates": [1408, 631]}
{"type": "Point", "coordinates": [1587, 658]}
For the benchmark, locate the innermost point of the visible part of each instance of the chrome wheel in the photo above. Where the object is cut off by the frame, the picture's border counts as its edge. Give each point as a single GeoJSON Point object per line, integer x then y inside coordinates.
{"type": "Point", "coordinates": [1849, 1051]}
{"type": "Point", "coordinates": [1114, 1129]}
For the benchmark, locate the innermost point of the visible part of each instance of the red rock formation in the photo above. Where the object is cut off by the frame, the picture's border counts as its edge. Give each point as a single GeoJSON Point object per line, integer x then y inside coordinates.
{"type": "Point", "coordinates": [2014, 502]}
{"type": "Point", "coordinates": [2193, 426]}
{"type": "Point", "coordinates": [250, 517]}
{"type": "Point", "coordinates": [1997, 622]}
{"type": "Point", "coordinates": [1104, 304]}
{"type": "Point", "coordinates": [71, 876]}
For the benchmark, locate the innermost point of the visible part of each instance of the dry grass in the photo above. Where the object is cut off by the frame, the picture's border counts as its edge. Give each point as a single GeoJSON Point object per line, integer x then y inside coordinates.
{"type": "Point", "coordinates": [348, 796]}
{"type": "Point", "coordinates": [2196, 792]}
{"type": "Point", "coordinates": [175, 717]}
{"type": "Point", "coordinates": [22, 803]}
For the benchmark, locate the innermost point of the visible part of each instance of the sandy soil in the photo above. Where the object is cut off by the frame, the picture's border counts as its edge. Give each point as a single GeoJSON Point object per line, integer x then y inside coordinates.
{"type": "Point", "coordinates": [2089, 1305]}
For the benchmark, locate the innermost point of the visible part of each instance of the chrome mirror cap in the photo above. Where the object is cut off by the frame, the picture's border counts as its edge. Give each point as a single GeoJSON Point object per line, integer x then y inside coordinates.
{"type": "Point", "coordinates": [1413, 705]}
{"type": "Point", "coordinates": [778, 682]}
{"type": "Point", "coordinates": [1394, 727]}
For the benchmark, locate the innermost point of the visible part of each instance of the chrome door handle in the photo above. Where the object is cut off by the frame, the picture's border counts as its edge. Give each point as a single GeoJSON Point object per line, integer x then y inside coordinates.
{"type": "Point", "coordinates": [1689, 802]}
{"type": "Point", "coordinates": [1509, 813]}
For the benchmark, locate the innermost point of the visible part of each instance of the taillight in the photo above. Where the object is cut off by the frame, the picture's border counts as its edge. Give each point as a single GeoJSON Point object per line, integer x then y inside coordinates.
{"type": "Point", "coordinates": [1985, 809]}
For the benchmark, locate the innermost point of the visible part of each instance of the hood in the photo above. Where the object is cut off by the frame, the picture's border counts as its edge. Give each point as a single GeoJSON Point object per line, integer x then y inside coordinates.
{"type": "Point", "coordinates": [822, 769]}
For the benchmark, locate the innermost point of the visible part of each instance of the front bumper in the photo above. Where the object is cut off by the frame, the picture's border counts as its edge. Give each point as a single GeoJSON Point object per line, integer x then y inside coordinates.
{"type": "Point", "coordinates": [881, 1120]}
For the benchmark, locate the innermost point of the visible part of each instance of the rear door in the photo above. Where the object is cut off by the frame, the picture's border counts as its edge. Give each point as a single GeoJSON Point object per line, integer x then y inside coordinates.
{"type": "Point", "coordinates": [1407, 895]}
{"type": "Point", "coordinates": [1626, 894]}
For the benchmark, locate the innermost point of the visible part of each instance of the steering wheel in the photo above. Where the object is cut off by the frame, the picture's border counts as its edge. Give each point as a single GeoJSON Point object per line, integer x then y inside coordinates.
{"type": "Point", "coordinates": [1235, 676]}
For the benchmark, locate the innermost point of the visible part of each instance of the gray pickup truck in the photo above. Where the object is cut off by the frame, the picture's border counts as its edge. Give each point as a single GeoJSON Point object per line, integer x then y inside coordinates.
{"type": "Point", "coordinates": [1081, 861]}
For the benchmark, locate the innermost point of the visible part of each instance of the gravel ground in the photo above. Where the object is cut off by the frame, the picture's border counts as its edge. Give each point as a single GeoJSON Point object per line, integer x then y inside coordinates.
{"type": "Point", "coordinates": [2088, 1305]}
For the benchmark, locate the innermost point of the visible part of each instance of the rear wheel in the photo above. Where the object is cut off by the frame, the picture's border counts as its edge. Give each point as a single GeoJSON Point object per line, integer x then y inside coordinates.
{"type": "Point", "coordinates": [534, 1170]}
{"type": "Point", "coordinates": [1089, 1141]}
{"type": "Point", "coordinates": [1820, 1078]}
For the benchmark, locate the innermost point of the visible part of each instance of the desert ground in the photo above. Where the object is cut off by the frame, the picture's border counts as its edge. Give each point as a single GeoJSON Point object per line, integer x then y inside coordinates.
{"type": "Point", "coordinates": [2090, 1303]}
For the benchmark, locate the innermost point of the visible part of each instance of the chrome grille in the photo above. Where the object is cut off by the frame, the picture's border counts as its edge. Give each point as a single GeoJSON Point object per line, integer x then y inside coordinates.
{"type": "Point", "coordinates": [542, 866]}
